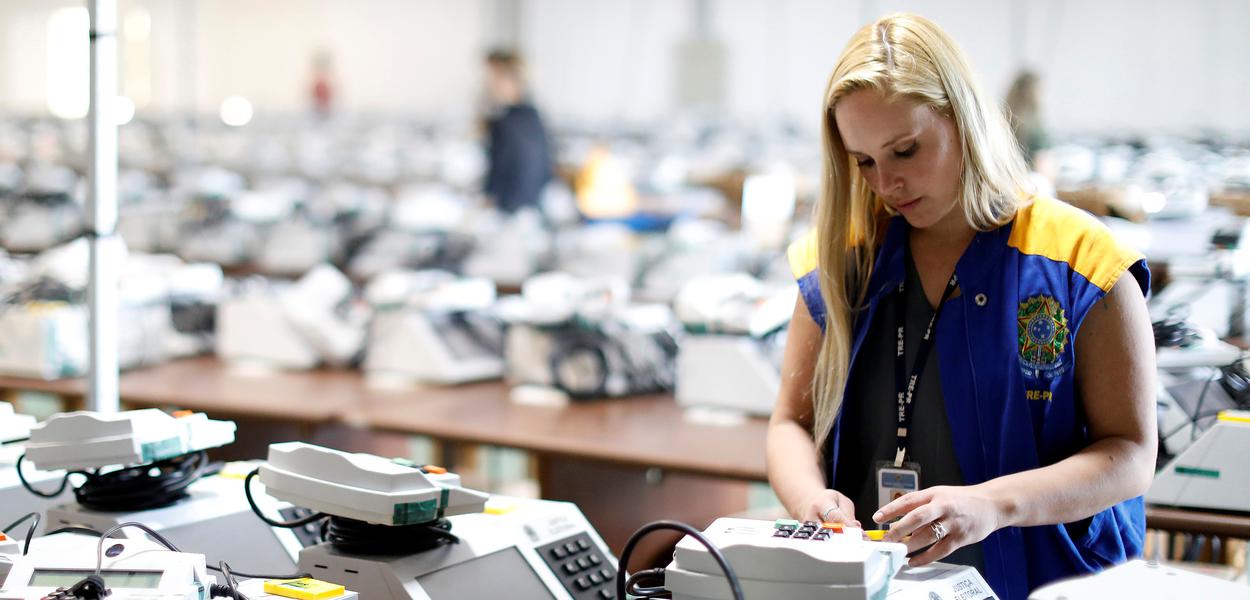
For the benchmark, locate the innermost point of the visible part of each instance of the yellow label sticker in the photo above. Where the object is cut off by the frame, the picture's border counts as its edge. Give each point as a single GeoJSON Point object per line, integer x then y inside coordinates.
{"type": "Point", "coordinates": [306, 588]}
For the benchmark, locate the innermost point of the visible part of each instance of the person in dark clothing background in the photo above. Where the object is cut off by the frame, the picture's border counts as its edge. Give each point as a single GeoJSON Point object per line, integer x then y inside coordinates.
{"type": "Point", "coordinates": [518, 150]}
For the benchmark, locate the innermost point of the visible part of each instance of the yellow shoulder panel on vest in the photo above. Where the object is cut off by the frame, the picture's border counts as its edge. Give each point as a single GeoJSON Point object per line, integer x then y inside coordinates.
{"type": "Point", "coordinates": [1062, 232]}
{"type": "Point", "coordinates": [802, 254]}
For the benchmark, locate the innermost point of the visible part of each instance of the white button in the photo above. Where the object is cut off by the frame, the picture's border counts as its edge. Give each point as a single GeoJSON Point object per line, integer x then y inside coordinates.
{"type": "Point", "coordinates": [981, 299]}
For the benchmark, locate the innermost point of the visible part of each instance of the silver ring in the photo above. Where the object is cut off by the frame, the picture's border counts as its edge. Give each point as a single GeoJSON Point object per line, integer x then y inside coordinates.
{"type": "Point", "coordinates": [824, 516]}
{"type": "Point", "coordinates": [939, 530]}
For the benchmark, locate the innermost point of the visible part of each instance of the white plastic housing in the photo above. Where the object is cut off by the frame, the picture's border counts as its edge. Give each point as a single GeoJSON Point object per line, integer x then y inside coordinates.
{"type": "Point", "coordinates": [12, 425]}
{"type": "Point", "coordinates": [87, 440]}
{"type": "Point", "coordinates": [363, 486]}
{"type": "Point", "coordinates": [182, 576]}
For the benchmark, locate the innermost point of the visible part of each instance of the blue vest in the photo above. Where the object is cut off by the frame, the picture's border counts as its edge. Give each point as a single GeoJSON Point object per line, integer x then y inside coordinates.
{"type": "Point", "coordinates": [1006, 354]}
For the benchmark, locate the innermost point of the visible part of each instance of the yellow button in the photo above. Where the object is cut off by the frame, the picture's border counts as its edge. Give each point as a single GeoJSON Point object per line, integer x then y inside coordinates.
{"type": "Point", "coordinates": [875, 535]}
{"type": "Point", "coordinates": [236, 470]}
{"type": "Point", "coordinates": [498, 507]}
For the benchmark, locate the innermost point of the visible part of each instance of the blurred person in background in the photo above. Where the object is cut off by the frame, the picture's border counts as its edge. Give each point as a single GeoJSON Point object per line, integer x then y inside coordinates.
{"type": "Point", "coordinates": [321, 92]}
{"type": "Point", "coordinates": [1024, 113]}
{"type": "Point", "coordinates": [518, 149]}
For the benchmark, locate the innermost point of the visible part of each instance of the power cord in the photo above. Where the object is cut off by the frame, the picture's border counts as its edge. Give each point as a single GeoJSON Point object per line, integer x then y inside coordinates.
{"type": "Point", "coordinates": [142, 487]}
{"type": "Point", "coordinates": [647, 583]}
{"type": "Point", "coordinates": [219, 567]}
{"type": "Point", "coordinates": [26, 484]}
{"type": "Point", "coordinates": [152, 485]}
{"type": "Point", "coordinates": [651, 575]}
{"type": "Point", "coordinates": [1234, 379]}
{"type": "Point", "coordinates": [1174, 331]}
{"type": "Point", "coordinates": [30, 532]}
{"type": "Point", "coordinates": [358, 537]}
{"type": "Point", "coordinates": [247, 491]}
{"type": "Point", "coordinates": [231, 587]}
{"type": "Point", "coordinates": [95, 582]}
{"type": "Point", "coordinates": [92, 587]}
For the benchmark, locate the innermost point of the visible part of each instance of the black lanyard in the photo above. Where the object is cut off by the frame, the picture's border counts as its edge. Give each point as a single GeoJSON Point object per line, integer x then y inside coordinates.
{"type": "Point", "coordinates": [904, 385]}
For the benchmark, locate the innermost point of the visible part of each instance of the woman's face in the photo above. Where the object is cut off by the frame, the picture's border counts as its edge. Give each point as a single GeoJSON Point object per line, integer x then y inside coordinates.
{"type": "Point", "coordinates": [908, 153]}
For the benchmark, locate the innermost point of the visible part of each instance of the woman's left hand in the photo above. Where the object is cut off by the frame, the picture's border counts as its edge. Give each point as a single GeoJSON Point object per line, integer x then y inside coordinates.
{"type": "Point", "coordinates": [966, 513]}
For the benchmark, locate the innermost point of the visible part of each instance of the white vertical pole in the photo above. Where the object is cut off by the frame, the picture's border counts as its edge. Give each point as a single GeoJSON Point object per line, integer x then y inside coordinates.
{"type": "Point", "coordinates": [102, 209]}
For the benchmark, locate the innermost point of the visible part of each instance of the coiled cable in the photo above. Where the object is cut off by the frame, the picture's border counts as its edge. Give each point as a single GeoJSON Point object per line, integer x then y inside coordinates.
{"type": "Point", "coordinates": [358, 537]}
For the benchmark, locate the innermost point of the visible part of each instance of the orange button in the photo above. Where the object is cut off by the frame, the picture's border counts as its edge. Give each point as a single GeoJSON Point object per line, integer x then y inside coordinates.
{"type": "Point", "coordinates": [834, 527]}
{"type": "Point", "coordinates": [178, 414]}
{"type": "Point", "coordinates": [3, 537]}
{"type": "Point", "coordinates": [433, 469]}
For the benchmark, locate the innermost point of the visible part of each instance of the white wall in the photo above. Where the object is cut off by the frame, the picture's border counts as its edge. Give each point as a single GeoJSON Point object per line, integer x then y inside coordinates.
{"type": "Point", "coordinates": [413, 56]}
{"type": "Point", "coordinates": [1140, 65]}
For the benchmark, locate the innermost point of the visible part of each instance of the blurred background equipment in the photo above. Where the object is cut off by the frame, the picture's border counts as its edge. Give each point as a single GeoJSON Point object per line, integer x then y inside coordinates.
{"type": "Point", "coordinates": [421, 229]}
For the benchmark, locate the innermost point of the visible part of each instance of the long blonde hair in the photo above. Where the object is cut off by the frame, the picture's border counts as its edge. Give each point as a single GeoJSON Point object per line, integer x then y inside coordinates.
{"type": "Point", "coordinates": [898, 56]}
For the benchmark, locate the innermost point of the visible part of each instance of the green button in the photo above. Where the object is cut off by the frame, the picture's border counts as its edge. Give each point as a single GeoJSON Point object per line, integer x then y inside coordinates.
{"type": "Point", "coordinates": [785, 523]}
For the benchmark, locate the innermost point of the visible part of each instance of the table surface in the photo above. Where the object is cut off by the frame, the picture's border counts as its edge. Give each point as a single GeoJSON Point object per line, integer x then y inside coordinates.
{"type": "Point", "coordinates": [1198, 521]}
{"type": "Point", "coordinates": [646, 431]}
{"type": "Point", "coordinates": [650, 431]}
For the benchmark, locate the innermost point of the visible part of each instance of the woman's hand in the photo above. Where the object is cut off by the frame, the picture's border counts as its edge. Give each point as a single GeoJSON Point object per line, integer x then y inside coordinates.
{"type": "Point", "coordinates": [828, 506]}
{"type": "Point", "coordinates": [967, 514]}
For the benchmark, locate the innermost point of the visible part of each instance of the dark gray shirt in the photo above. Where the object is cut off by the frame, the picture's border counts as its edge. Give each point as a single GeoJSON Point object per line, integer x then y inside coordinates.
{"type": "Point", "coordinates": [870, 413]}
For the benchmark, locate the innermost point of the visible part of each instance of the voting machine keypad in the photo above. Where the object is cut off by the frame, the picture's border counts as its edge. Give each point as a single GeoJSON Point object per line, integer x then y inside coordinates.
{"type": "Point", "coordinates": [585, 573]}
{"type": "Point", "coordinates": [807, 530]}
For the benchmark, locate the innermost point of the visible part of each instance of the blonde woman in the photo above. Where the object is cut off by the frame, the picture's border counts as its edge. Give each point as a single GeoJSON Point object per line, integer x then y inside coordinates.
{"type": "Point", "coordinates": [967, 361]}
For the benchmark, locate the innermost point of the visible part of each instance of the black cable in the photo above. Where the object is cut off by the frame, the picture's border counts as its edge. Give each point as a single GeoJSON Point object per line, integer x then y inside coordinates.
{"type": "Point", "coordinates": [1215, 412]}
{"type": "Point", "coordinates": [217, 590]}
{"type": "Point", "coordinates": [142, 487]}
{"type": "Point", "coordinates": [1174, 331]}
{"type": "Point", "coordinates": [230, 589]}
{"type": "Point", "coordinates": [31, 489]}
{"type": "Point", "coordinates": [92, 587]}
{"type": "Point", "coordinates": [1202, 396]}
{"type": "Point", "coordinates": [30, 532]}
{"type": "Point", "coordinates": [160, 539]}
{"type": "Point", "coordinates": [247, 491]}
{"type": "Point", "coordinates": [74, 529]}
{"type": "Point", "coordinates": [261, 575]}
{"type": "Point", "coordinates": [621, 578]}
{"type": "Point", "coordinates": [167, 544]}
{"type": "Point", "coordinates": [647, 583]}
{"type": "Point", "coordinates": [358, 537]}
{"type": "Point", "coordinates": [1235, 379]}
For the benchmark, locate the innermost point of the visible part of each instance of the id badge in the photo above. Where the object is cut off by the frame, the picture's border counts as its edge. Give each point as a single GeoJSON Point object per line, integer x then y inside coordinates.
{"type": "Point", "coordinates": [893, 482]}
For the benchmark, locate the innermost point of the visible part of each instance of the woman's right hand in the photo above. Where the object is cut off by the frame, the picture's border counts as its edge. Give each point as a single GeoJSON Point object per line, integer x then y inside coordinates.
{"type": "Point", "coordinates": [828, 506]}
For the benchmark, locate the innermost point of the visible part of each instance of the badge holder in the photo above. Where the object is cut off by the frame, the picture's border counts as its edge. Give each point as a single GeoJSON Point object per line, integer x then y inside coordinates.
{"type": "Point", "coordinates": [893, 482]}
